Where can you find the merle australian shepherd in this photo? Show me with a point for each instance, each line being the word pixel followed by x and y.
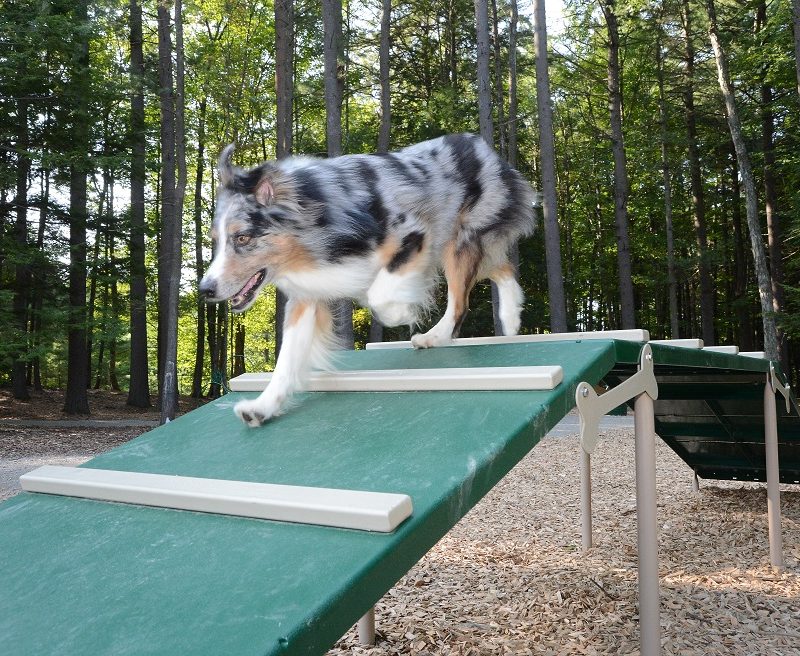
pixel 374 228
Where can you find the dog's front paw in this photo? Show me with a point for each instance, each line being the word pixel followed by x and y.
pixel 253 413
pixel 428 340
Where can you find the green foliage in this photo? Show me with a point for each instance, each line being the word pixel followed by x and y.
pixel 229 47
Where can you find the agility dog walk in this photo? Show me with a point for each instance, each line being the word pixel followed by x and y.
pixel 374 228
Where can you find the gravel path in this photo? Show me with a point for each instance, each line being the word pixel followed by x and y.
pixel 24 448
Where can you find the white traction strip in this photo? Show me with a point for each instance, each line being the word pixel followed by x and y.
pixel 422 380
pixel 366 511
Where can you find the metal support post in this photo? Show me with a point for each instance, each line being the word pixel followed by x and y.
pixel 696 483
pixel 366 629
pixel 649 603
pixel 586 501
pixel 773 476
pixel 643 387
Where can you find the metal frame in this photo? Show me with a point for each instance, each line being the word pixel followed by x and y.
pixel 641 387
pixel 366 628
pixel 773 469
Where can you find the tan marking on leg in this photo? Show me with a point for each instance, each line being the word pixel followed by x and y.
pixel 296 311
pixel 503 272
pixel 323 319
pixel 461 271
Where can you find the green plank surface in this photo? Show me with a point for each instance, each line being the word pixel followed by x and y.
pixel 86 577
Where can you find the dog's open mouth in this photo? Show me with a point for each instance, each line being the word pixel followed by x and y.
pixel 246 294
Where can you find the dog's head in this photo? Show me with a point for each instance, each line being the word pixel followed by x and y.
pixel 252 232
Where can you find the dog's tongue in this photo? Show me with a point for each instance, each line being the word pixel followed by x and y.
pixel 248 287
pixel 249 284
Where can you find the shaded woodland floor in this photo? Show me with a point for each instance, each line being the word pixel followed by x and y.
pixel 103 404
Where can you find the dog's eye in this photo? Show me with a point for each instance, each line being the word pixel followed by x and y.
pixel 242 240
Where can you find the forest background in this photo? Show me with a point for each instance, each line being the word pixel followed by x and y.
pixel 663 135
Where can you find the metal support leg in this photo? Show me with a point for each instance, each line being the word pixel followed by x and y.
pixel 649 617
pixel 586 501
pixel 366 629
pixel 696 483
pixel 773 477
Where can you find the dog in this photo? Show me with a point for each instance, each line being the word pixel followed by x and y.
pixel 374 228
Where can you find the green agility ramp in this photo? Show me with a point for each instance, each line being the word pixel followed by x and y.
pixel 90 577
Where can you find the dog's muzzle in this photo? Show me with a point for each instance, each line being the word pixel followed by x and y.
pixel 207 289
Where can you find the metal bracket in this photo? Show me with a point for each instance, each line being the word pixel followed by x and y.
pixel 592 407
pixel 778 386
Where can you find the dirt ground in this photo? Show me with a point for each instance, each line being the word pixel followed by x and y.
pixel 103 404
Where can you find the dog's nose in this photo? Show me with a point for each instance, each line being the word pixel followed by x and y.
pixel 207 288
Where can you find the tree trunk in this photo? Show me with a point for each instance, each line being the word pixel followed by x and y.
pixel 796 30
pixel 698 196
pixel 284 88
pixel 223 321
pixel 386 107
pixel 167 195
pixel 38 282
pixel 484 89
pixel 672 277
pixel 513 100
pixel 334 74
pixel 212 311
pixel 238 349
pixel 375 326
pixel 452 43
pixel 741 302
pixel 552 238
pixel 171 205
pixel 499 95
pixel 284 82
pixel 624 269
pixel 334 90
pixel 751 197
pixel 100 271
pixel 94 272
pixel 169 400
pixel 103 329
pixel 199 354
pixel 139 386
pixel 485 113
pixel 76 400
pixel 21 270
pixel 115 312
pixel 770 193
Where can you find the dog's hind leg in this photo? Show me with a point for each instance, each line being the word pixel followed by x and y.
pixel 307 340
pixel 461 265
pixel 510 296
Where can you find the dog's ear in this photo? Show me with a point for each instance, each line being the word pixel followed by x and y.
pixel 225 166
pixel 264 191
pixel 261 181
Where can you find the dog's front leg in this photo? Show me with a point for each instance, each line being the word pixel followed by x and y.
pixel 300 332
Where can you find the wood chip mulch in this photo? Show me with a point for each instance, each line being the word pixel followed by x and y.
pixel 510 578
